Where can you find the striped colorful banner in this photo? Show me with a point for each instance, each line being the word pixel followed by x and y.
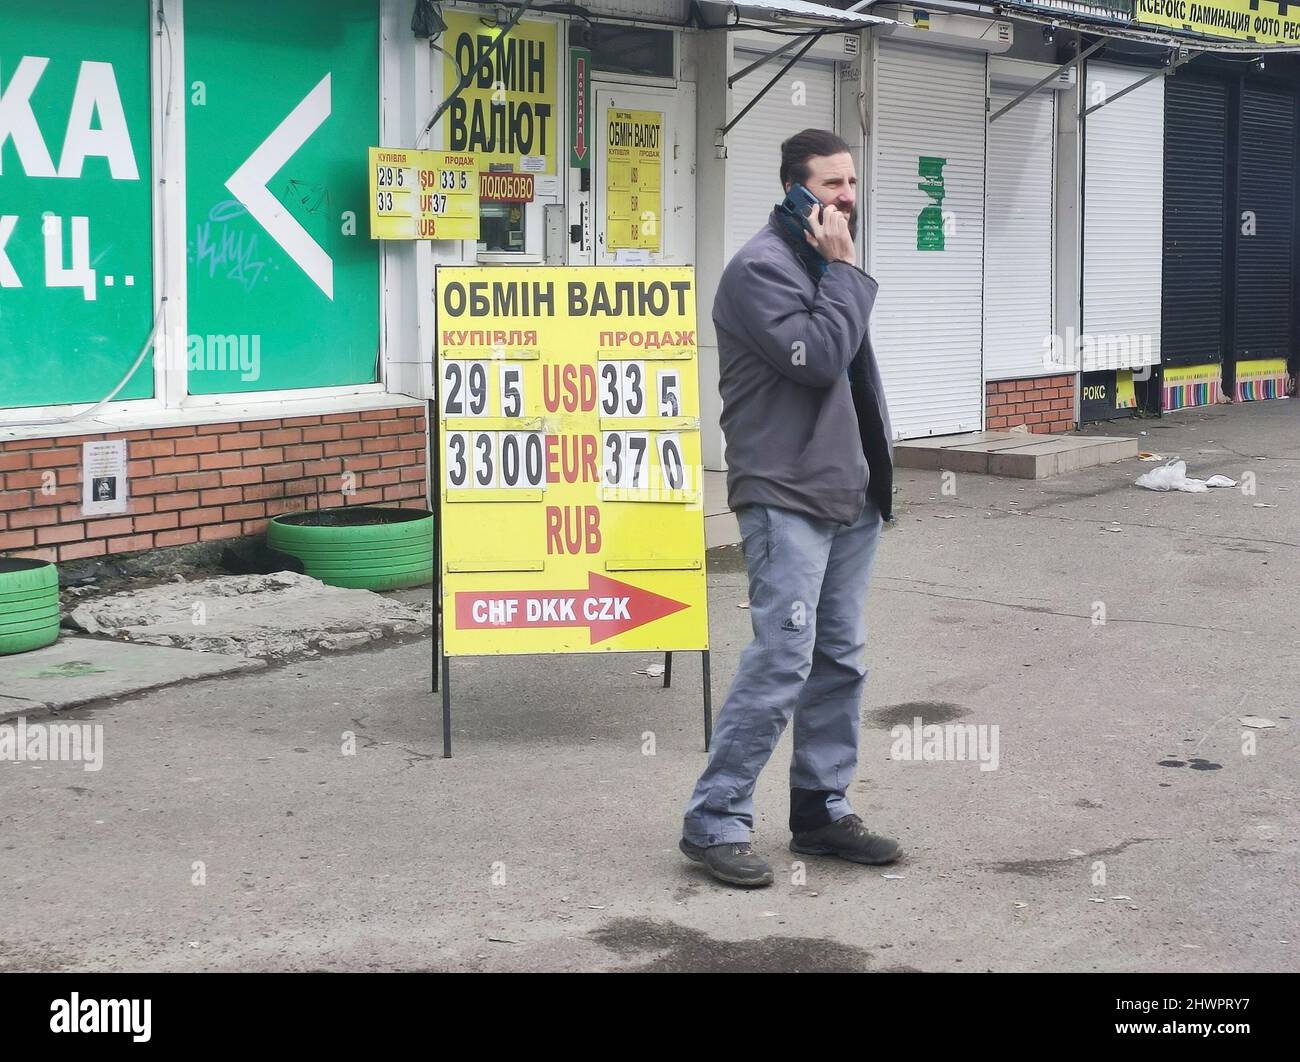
pixel 1258 381
pixel 1190 385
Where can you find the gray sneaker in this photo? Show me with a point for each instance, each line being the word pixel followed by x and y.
pixel 849 839
pixel 735 863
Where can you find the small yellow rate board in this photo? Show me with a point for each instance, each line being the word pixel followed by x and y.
pixel 570 476
pixel 423 195
pixel 634 179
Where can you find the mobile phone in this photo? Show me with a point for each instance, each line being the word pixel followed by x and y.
pixel 801 203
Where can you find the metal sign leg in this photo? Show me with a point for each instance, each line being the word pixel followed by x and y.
pixel 708 702
pixel 435 477
pixel 668 670
pixel 446 708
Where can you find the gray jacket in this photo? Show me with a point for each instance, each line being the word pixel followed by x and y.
pixel 803 407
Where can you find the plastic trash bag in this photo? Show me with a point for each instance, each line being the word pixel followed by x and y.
pixel 1173 476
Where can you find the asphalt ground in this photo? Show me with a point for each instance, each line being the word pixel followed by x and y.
pixel 302 817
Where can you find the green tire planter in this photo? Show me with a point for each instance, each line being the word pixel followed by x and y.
pixel 361 547
pixel 29 605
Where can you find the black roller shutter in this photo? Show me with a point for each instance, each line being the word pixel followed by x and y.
pixel 1266 187
pixel 1191 319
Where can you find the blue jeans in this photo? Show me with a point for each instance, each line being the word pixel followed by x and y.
pixel 807 599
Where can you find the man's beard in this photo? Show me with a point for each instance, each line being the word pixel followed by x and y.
pixel 853 221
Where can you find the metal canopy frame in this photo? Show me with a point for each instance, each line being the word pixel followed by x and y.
pixel 1183 54
pixel 1178 60
pixel 762 61
pixel 808 16
pixel 768 87
pixel 1182 57
pixel 813 35
pixel 1050 77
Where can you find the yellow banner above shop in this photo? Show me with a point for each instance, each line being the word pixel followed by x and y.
pixel 570 495
pixel 1260 21
pixel 423 195
pixel 507 114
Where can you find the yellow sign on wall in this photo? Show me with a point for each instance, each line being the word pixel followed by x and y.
pixel 1261 21
pixel 633 179
pixel 423 195
pixel 571 497
pixel 508 113
pixel 1125 395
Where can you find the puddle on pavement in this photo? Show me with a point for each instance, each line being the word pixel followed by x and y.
pixel 671 948
pixel 1039 868
pixel 904 714
pixel 1195 764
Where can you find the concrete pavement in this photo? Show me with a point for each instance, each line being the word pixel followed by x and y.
pixel 75 671
pixel 301 817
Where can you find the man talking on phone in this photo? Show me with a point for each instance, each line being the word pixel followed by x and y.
pixel 809 476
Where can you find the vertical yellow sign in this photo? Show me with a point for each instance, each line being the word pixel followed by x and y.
pixel 633 179
pixel 571 499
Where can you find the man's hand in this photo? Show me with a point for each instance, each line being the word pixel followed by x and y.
pixel 831 235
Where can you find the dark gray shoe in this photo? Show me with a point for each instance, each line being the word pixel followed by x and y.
pixel 849 839
pixel 734 863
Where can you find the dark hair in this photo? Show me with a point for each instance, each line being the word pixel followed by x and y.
pixel 796 152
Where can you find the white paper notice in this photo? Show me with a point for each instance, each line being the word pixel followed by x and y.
pixel 103 478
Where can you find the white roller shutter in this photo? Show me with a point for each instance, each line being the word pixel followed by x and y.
pixel 1123 219
pixel 928 318
pixel 1018 258
pixel 754 146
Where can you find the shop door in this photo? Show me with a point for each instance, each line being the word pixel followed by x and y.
pixel 644 175
pixel 1265 238
pixel 1195 154
pixel 1018 259
pixel 1123 242
pixel 927 247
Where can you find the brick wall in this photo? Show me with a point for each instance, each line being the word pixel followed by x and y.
pixel 208 481
pixel 1045 403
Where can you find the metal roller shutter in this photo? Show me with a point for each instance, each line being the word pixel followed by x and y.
pixel 1266 186
pixel 928 317
pixel 1191 327
pixel 754 146
pixel 1018 260
pixel 1122 223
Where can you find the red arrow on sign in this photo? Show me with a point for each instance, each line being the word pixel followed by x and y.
pixel 580 90
pixel 607 607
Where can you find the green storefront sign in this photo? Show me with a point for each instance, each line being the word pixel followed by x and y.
pixel 282 105
pixel 580 142
pixel 929 222
pixel 281 102
pixel 76 217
